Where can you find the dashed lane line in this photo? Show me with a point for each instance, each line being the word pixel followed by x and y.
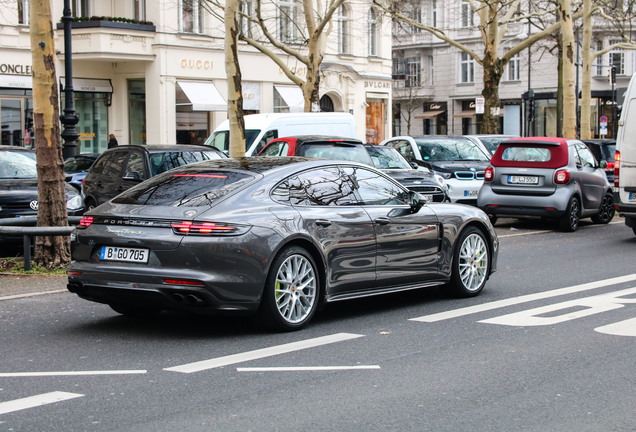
pixel 70 373
pixel 35 401
pixel 305 368
pixel 262 353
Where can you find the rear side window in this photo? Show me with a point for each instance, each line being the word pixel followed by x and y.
pixel 317 187
pixel 161 162
pixel 526 154
pixel 184 189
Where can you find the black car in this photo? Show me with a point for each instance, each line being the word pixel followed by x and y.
pixel 418 179
pixel 122 167
pixel 276 237
pixel 19 186
pixel 76 167
pixel 604 150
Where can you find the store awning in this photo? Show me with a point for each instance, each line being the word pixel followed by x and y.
pixel 89 85
pixel 293 97
pixel 465 114
pixel 202 96
pixel 428 114
pixel 15 81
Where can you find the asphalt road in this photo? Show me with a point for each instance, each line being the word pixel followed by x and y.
pixel 548 346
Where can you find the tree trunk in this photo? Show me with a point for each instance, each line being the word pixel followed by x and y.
pixel 234 87
pixel 492 103
pixel 49 251
pixel 569 71
pixel 586 91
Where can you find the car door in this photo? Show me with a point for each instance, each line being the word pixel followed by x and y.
pixel 108 183
pixel 408 240
pixel 592 179
pixel 330 213
pixel 135 171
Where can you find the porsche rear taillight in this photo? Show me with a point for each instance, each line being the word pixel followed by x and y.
pixel 562 176
pixel 202 228
pixel 85 222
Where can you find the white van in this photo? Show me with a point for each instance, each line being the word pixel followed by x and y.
pixel 625 167
pixel 262 128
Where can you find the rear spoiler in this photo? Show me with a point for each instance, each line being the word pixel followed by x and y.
pixel 526 142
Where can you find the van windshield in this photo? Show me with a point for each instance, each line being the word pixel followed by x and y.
pixel 221 139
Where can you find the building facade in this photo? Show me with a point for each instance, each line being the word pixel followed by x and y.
pixel 159 75
pixel 437 86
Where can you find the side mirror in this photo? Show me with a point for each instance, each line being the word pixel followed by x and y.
pixel 133 176
pixel 413 164
pixel 415 201
pixel 602 164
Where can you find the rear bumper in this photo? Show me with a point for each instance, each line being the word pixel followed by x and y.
pixel 553 205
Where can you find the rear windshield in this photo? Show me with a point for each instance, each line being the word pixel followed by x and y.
pixel 450 150
pixel 338 152
pixel 162 162
pixel 184 189
pixel 526 154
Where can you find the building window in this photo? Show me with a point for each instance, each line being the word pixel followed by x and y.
pixel 342 18
pixel 431 70
pixel 139 10
pixel 288 21
pixel 512 72
pixel 467 15
pixel 245 11
pixel 23 11
pixel 373 32
pixel 80 8
pixel 598 60
pixel 416 15
pixel 466 68
pixel 413 71
pixel 617 59
pixel 191 14
pixel 433 22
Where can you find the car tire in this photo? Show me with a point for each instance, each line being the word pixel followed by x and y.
pixel 471 263
pixel 607 210
pixel 569 222
pixel 135 311
pixel 291 293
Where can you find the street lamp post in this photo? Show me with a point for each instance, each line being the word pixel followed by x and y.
pixel 69 119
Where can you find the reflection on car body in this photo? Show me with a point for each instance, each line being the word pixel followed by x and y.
pixel 274 237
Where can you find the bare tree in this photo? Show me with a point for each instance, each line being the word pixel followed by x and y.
pixel 494 18
pixel 568 49
pixel 49 251
pixel 234 86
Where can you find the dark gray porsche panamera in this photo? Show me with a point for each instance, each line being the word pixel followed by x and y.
pixel 275 237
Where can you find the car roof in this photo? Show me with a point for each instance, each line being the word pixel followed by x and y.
pixel 158 148
pixel 15 148
pixel 320 138
pixel 537 140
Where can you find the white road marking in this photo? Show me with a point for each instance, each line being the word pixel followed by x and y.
pixel 35 401
pixel 615 222
pixel 70 373
pixel 622 328
pixel 303 368
pixel 523 299
pixel 19 296
pixel 261 353
pixel 573 309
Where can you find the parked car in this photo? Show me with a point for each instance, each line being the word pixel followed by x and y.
pixel 549 177
pixel 458 159
pixel 19 187
pixel 119 168
pixel 418 179
pixel 76 167
pixel 262 128
pixel 604 150
pixel 490 141
pixel 276 237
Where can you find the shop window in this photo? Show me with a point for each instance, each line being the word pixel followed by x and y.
pixel 93 121
pixel 376 114
pixel 137 110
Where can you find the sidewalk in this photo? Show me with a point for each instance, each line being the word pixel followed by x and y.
pixel 12 285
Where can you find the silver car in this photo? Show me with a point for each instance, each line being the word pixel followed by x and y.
pixel 276 237
pixel 553 178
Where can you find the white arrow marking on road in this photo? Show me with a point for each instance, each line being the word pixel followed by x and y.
pixel 70 373
pixel 622 328
pixel 303 368
pixel 523 299
pixel 35 401
pixel 261 353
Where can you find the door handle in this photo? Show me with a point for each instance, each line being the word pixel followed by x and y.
pixel 323 222
pixel 383 221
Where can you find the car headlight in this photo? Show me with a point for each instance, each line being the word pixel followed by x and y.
pixel 74 203
pixel 440 180
pixel 445 175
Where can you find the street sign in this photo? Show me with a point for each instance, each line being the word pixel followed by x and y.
pixel 479 105
pixel 603 120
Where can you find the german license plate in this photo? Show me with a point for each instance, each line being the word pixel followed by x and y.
pixel 513 179
pixel 632 196
pixel 125 254
pixel 427 197
pixel 470 193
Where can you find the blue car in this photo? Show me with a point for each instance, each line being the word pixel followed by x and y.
pixel 76 167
